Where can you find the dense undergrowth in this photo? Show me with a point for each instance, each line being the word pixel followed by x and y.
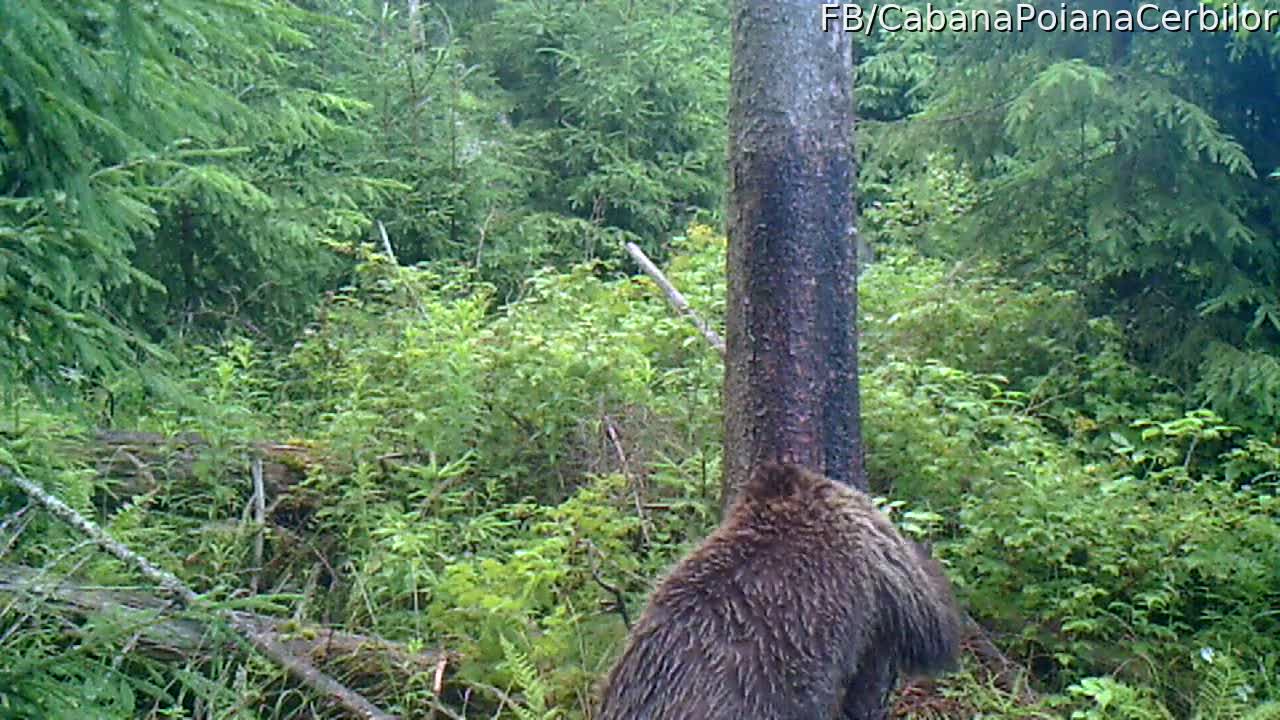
pixel 488 479
pixel 1069 348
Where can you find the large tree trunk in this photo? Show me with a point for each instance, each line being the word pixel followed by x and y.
pixel 791 391
pixel 791 370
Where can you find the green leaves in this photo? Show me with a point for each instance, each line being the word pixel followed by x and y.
pixel 476 472
pixel 213 161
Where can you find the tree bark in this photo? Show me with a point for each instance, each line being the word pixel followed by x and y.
pixel 791 368
pixel 791 391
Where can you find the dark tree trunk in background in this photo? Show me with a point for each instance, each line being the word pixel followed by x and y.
pixel 791 370
pixel 791 382
pixel 1121 42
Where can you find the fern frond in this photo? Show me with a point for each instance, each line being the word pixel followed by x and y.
pixel 526 678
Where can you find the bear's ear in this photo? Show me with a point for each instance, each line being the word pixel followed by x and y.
pixel 774 480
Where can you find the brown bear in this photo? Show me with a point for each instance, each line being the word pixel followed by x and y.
pixel 803 586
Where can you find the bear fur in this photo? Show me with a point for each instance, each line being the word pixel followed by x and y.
pixel 772 617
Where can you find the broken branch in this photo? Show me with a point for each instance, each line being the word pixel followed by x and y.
pixel 267 644
pixel 674 297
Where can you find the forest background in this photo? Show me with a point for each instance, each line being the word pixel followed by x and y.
pixel 377 247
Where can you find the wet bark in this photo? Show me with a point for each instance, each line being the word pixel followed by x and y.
pixel 791 369
pixel 791 391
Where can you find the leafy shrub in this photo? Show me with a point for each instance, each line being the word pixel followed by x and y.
pixel 492 480
pixel 967 316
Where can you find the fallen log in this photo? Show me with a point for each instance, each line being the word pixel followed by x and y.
pixel 297 666
pixel 162 633
pixel 134 462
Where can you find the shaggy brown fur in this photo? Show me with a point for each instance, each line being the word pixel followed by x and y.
pixel 772 617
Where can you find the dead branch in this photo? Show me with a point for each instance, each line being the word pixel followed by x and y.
pixel 636 486
pixel 619 600
pixel 443 710
pixel 165 579
pixel 1009 675
pixel 163 635
pixel 437 683
pixel 308 674
pixel 260 519
pixel 268 644
pixel 141 467
pixel 386 243
pixel 19 519
pixel 503 698
pixel 674 297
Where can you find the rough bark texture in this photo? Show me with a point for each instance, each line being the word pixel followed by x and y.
pixel 791 370
pixel 791 392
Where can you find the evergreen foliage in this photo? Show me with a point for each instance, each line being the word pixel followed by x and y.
pixel 1131 169
pixel 1069 336
pixel 128 178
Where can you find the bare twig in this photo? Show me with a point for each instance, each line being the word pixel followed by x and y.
pixel 260 519
pixel 437 687
pixel 310 675
pixel 619 600
pixel 65 513
pixel 19 520
pixel 502 696
pixel 612 432
pixel 1191 451
pixel 267 644
pixel 436 705
pixel 484 231
pixel 1009 675
pixel 386 243
pixel 437 684
pixel 141 467
pixel 674 297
